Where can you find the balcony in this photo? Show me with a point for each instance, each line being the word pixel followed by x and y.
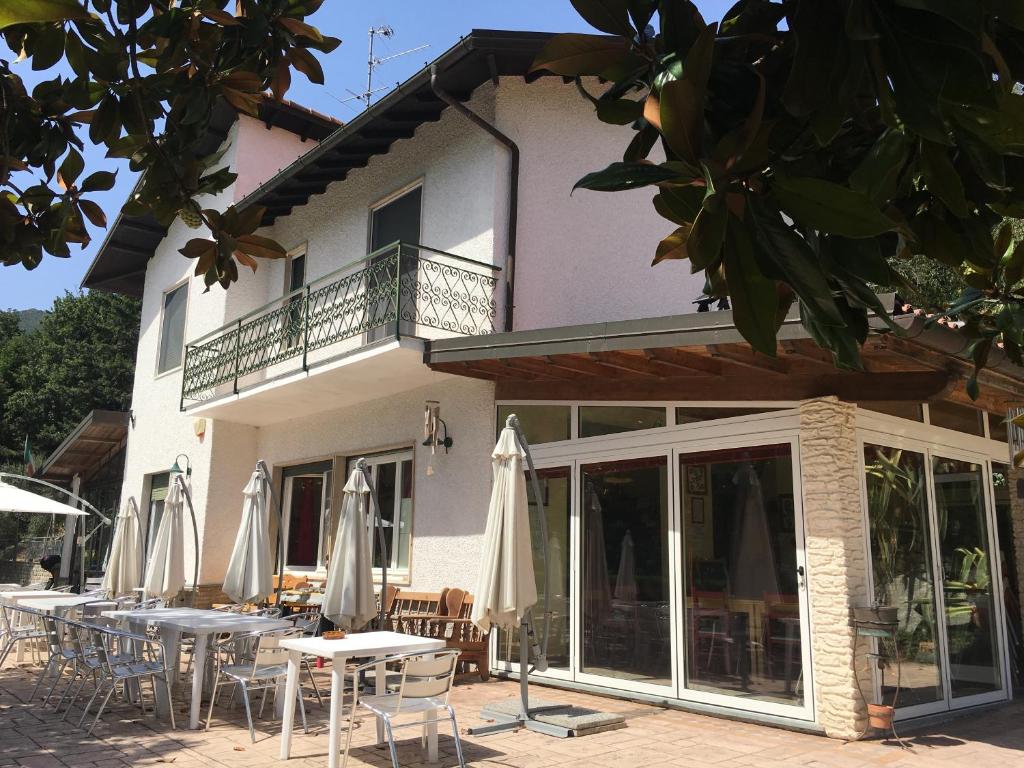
pixel 350 336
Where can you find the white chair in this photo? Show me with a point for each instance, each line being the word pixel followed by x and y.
pixel 261 667
pixel 309 624
pixel 424 683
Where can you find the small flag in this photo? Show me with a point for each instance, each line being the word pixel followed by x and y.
pixel 30 461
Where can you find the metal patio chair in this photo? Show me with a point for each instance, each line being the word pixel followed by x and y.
pixel 144 657
pixel 309 623
pixel 17 625
pixel 424 683
pixel 261 667
pixel 61 654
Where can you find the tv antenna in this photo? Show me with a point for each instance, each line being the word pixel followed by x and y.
pixel 372 62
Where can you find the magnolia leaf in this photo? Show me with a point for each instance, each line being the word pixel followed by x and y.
pixel 223 18
pixel 94 213
pixel 264 247
pixel 753 296
pixel 708 234
pixel 573 54
pixel 829 207
pixel 673 246
pixel 32 11
pixel 300 28
pixel 196 247
pixel 307 64
pixel 70 169
pixel 942 178
pixel 100 181
pixel 611 16
pixel 619 111
pixel 248 261
pixel 621 176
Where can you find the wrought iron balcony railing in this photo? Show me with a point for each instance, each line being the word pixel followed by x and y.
pixel 399 290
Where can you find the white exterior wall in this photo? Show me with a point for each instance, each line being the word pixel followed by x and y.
pixel 583 258
pixel 449 505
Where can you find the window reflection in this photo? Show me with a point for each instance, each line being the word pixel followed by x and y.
pixel 901 566
pixel 742 600
pixel 966 576
pixel 625 580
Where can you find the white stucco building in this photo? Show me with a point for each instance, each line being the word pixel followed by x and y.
pixel 716 514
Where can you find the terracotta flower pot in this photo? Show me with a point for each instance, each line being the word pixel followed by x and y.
pixel 880 716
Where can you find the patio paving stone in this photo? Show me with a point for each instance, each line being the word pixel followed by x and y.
pixel 33 737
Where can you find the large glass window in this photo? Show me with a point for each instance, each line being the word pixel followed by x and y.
pixel 540 423
pixel 695 414
pixel 598 420
pixel 743 630
pixel 901 561
pixel 172 329
pixel 955 416
pixel 392 476
pixel 1008 559
pixel 625 585
pixel 966 577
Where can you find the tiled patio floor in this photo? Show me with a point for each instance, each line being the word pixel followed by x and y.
pixel 33 737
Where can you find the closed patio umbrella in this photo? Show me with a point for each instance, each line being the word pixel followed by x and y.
pixel 250 574
pixel 124 565
pixel 165 575
pixel 348 598
pixel 507 588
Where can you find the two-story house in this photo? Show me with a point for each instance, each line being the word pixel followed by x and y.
pixel 714 515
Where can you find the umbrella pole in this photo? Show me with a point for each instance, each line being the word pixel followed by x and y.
pixel 195 536
pixel 542 651
pixel 261 465
pixel 363 467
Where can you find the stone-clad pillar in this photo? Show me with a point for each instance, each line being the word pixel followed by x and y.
pixel 836 556
pixel 1016 547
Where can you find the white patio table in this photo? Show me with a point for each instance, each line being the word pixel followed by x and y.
pixel 15 597
pixel 58 605
pixel 172 623
pixel 368 645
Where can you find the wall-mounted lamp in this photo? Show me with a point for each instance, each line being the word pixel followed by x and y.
pixel 176 468
pixel 433 425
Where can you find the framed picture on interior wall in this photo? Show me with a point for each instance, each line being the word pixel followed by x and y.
pixel 787 510
pixel 696 479
pixel 697 510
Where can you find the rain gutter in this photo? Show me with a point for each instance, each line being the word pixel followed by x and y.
pixel 513 187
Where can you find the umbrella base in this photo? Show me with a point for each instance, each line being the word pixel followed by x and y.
pixel 550 718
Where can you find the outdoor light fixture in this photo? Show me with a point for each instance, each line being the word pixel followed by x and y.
pixel 432 426
pixel 176 468
pixel 435 440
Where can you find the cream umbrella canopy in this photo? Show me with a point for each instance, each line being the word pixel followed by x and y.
pixel 507 587
pixel 348 598
pixel 124 565
pixel 250 574
pixel 13 499
pixel 165 575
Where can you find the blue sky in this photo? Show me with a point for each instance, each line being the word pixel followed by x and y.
pixel 438 23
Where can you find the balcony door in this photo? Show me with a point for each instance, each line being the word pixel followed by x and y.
pixel 396 219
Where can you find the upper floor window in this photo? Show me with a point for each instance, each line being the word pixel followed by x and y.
pixel 396 219
pixel 172 329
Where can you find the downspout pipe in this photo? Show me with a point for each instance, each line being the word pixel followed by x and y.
pixel 513 187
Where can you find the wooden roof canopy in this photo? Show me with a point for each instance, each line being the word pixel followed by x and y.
pixel 98 437
pixel 702 356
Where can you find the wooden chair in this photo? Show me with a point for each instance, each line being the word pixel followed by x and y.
pixel 780 628
pixel 413 608
pixel 458 631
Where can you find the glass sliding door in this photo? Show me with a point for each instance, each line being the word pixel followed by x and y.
pixel 902 570
pixel 625 589
pixel 743 627
pixel 971 608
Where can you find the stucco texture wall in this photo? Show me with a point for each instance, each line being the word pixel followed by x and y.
pixel 836 556
pixel 582 258
pixel 450 504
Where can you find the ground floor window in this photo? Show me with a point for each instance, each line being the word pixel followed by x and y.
pixel 930 516
pixel 158 484
pixel 392 476
pixel 307 495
